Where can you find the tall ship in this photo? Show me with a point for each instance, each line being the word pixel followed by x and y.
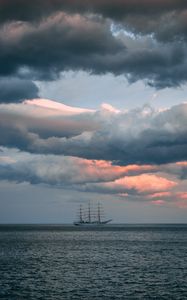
pixel 91 216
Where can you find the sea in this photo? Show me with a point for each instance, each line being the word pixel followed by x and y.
pixel 56 262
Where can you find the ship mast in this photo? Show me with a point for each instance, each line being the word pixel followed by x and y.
pixel 99 213
pixel 89 213
pixel 91 216
pixel 80 212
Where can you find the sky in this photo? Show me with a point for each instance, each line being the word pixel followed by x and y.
pixel 93 108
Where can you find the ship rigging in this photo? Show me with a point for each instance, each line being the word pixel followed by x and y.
pixel 91 216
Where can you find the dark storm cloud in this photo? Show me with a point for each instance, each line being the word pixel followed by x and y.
pixel 116 9
pixel 59 43
pixel 77 42
pixel 145 16
pixel 15 90
pixel 139 136
pixel 40 39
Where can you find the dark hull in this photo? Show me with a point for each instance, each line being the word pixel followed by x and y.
pixel 91 223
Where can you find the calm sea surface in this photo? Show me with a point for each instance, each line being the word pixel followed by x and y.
pixel 114 262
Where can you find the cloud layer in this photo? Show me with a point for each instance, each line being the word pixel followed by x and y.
pixel 138 39
pixel 19 10
pixel 155 184
pixel 139 154
pixel 136 155
pixel 16 90
pixel 141 136
pixel 81 174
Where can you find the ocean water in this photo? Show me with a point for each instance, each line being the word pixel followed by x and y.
pixel 113 262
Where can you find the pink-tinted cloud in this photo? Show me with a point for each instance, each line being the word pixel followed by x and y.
pixel 182 195
pixel 146 183
pixel 182 163
pixel 96 176
pixel 181 200
pixel 142 185
pixel 158 202
pixel 160 195
pixel 56 170
pixel 106 171
pixel 53 107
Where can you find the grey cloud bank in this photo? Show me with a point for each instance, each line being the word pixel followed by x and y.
pixel 85 175
pixel 41 39
pixel 20 10
pixel 141 136
pixel 16 90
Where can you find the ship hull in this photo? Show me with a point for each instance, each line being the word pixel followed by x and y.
pixel 90 219
pixel 92 223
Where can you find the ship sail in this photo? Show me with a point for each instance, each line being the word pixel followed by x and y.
pixel 91 216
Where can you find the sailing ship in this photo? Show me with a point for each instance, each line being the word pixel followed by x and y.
pixel 91 216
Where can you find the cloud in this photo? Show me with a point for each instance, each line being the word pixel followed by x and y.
pixel 179 169
pixel 158 202
pixel 16 90
pixel 43 119
pixel 133 185
pixel 61 171
pixel 56 108
pixel 159 195
pixel 115 9
pixel 140 136
pixel 61 42
pixel 138 39
pixel 84 175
